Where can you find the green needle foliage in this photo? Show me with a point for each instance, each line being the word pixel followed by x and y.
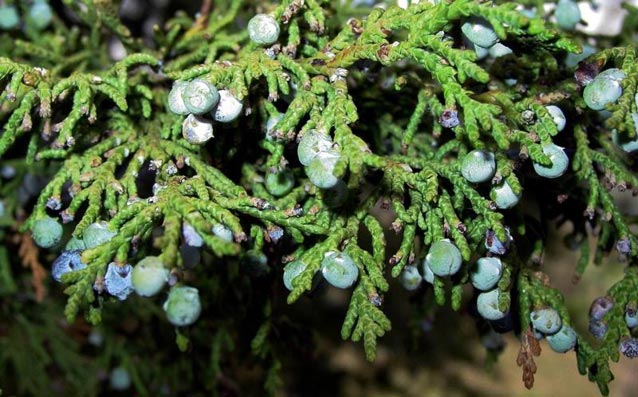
pixel 86 138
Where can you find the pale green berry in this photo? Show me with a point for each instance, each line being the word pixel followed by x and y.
pixel 96 234
pixel 40 14
pixel 480 32
pixel 75 243
pixel 546 320
pixel 558 116
pixel 481 52
pixel 197 130
pixel 339 269
pixel 622 141
pixel 175 101
pixel 182 306
pixel 602 91
pixel 564 340
pixel 311 144
pixel 567 14
pixel 291 271
pixel 428 276
pixel 572 60
pixel 149 276
pixel 200 96
pixel 499 50
pixel 46 232
pixel 280 183
pixel 228 108
pixel 612 74
pixel 120 379
pixel 263 29
pixel 444 258
pixel 410 278
pixel 559 160
pixel 488 307
pixel 320 171
pixel 478 166
pixel 504 196
pixel 9 18
pixel 222 232
pixel 486 273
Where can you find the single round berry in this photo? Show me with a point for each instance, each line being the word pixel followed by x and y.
pixel 563 340
pixel 629 347
pixel 597 328
pixel 631 315
pixel 175 101
pixel 449 118
pixel 96 234
pixel 504 196
pixel 228 108
pixel 182 306
pixel 480 33
pixel 191 237
pixel 600 307
pixel 567 14
pixel 222 232
pixel 200 96
pixel 311 144
pixel 496 246
pixel 46 232
pixel 410 278
pixel 623 141
pixel 602 91
pixel 120 379
pixel 197 130
pixel 263 29
pixel 280 183
pixel 291 271
pixel 486 273
pixel 559 160
pixel 478 166
pixel 269 127
pixel 40 14
pixel 9 18
pixel 444 258
pixel 320 171
pixel 488 307
pixel 75 243
pixel 117 280
pixel 339 269
pixel 149 276
pixel 499 50
pixel 558 116
pixel 428 276
pixel 68 261
pixel 546 320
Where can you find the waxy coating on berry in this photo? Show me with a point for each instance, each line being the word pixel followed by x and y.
pixel 428 276
pixel 68 261
pixel 228 108
pixel 559 160
pixel 567 14
pixel 605 89
pixel 449 118
pixel 291 271
pixel 175 101
pixel 488 307
pixel 263 29
pixel 117 280
pixel 486 273
pixel 191 237
pixel 480 32
pixel 46 232
pixel 311 144
pixel 478 166
pixel 200 96
pixel 222 232
pixel 546 320
pixel 339 269
pixel 320 171
pixel 600 307
pixel 628 347
pixel 563 340
pixel 96 234
pixel 496 246
pixel 631 315
pixel 149 276
pixel 623 141
pixel 410 278
pixel 444 258
pixel 280 183
pixel 597 328
pixel 182 306
pixel 557 116
pixel 197 130
pixel 499 50
pixel 504 196
pixel 40 14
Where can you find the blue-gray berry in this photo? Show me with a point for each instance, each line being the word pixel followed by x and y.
pixel 559 160
pixel 496 246
pixel 478 166
pixel 546 320
pixel 629 347
pixel 291 271
pixel 339 269
pixel 597 328
pixel 68 261
pixel 117 280
pixel 563 340
pixel 486 273
pixel 600 307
